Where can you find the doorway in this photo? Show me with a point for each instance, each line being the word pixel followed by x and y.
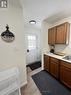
pixel 32 48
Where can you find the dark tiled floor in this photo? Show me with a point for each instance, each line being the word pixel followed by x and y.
pixel 48 85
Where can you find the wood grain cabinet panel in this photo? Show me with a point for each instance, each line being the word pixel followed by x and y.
pixel 54 67
pixel 62 33
pixel 59 69
pixel 51 35
pixel 65 73
pixel 59 34
pixel 46 62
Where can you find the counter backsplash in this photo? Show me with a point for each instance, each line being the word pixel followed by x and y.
pixel 63 48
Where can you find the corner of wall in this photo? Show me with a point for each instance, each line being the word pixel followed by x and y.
pixel 23 84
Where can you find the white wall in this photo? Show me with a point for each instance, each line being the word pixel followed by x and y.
pixel 12 54
pixel 60 48
pixel 45 46
pixel 44 30
pixel 34 31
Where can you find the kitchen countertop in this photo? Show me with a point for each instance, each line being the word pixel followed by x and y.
pixel 57 56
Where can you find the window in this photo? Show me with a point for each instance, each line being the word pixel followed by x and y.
pixel 31 42
pixel 3 3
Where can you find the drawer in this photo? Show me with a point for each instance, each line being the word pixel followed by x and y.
pixel 66 64
pixel 53 60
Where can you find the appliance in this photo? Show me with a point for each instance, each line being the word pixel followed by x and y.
pixel 52 48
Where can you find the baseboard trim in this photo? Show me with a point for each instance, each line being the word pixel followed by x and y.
pixel 22 85
pixel 33 63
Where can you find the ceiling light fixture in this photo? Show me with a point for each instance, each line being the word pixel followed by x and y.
pixel 32 22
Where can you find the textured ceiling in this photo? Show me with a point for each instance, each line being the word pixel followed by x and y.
pixel 52 10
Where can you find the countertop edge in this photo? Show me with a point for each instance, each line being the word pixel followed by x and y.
pixel 57 57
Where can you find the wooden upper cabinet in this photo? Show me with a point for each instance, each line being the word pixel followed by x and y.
pixel 59 34
pixel 62 32
pixel 51 35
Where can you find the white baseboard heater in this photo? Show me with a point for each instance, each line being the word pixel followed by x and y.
pixel 9 82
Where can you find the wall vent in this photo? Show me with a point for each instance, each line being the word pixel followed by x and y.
pixel 3 3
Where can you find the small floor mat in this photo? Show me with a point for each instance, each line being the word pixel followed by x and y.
pixel 35 65
pixel 48 85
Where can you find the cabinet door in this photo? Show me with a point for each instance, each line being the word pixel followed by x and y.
pixel 65 74
pixel 62 33
pixel 54 67
pixel 46 62
pixel 51 35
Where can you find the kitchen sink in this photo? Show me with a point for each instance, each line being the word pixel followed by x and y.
pixel 67 57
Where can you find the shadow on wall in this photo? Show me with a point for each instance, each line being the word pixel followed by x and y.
pixel 63 48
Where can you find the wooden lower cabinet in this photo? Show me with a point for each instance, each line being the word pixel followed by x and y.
pixel 46 62
pixel 59 69
pixel 65 73
pixel 54 67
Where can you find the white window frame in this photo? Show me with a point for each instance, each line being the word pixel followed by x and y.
pixel 31 43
